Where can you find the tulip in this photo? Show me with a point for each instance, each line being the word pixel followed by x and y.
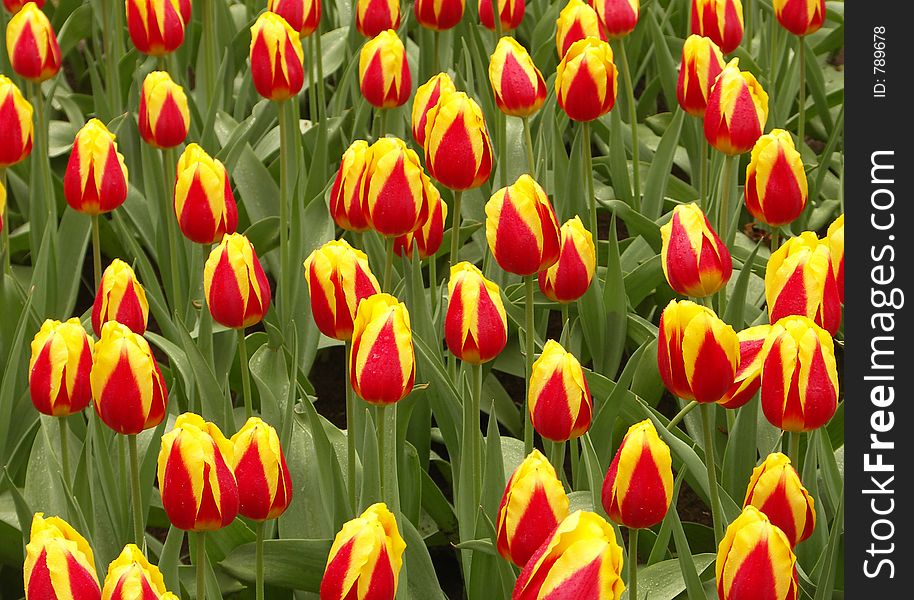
pixel 204 203
pixel 339 278
pixel 695 261
pixel 384 76
pixel 14 6
pixel 475 326
pixel 558 398
pixel 427 239
pixel 521 228
pixel 16 128
pixel 32 45
pixel 697 353
pixel 121 298
pixel 570 276
pixel 618 17
pixel 755 560
pixel 382 363
pixel 276 58
pixel 748 374
pixel 365 558
pixel 237 291
pixel 702 62
pixel 458 152
pixel 577 21
pixel 199 491
pixel 59 368
pixel 737 111
pixel 776 490
pixel 59 564
pixel 95 181
pixel 374 16
pixel 164 117
pixel 800 17
pixel 346 194
pixel 156 26
pixel 799 375
pixel 132 577
pixel 3 210
pixel 427 96
pixel 776 187
pixel 264 484
pixel 533 504
pixel 302 15
pixel 586 80
pixel 510 14
pixel 395 189
pixel 518 85
pixel 439 15
pixel 799 280
pixel 580 559
pixel 720 20
pixel 835 237
pixel 186 9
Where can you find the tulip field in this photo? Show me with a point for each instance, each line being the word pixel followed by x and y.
pixel 373 299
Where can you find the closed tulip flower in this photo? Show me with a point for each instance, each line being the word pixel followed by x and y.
pixel 127 385
pixel 439 15
pixel 618 17
pixel 776 490
pixel 581 559
pixel 427 239
pixel 695 261
pixel 737 111
pixel 338 280
pixel 799 280
pixel 776 187
pixel 638 487
pixel 302 15
pixel 427 96
pixel 346 194
pixel 701 63
pixel 570 276
pixel 577 21
pixel 510 13
pixel 31 44
pixel 95 181
pixel 365 558
pixel 755 560
pixel 264 484
pixel 697 353
pixel 164 117
pixel 521 228
pixel 204 203
pixel 458 152
pixel 132 577
pixel 199 491
pixel 237 291
pixel 720 20
pixel 800 17
pixel 276 58
pixel 533 504
pixel 475 326
pixel 799 375
pixel 748 374
pixel 559 400
pixel 13 6
pixel 156 26
pixel 518 85
pixel 395 193
pixel 586 81
pixel 384 76
pixel 59 564
pixel 121 298
pixel 374 16
pixel 59 368
pixel 835 237
pixel 382 364
pixel 16 128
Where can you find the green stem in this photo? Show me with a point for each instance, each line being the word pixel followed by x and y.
pixel 707 418
pixel 455 227
pixel 209 51
pixel 168 175
pixel 681 415
pixel 801 121
pixel 96 252
pixel 201 563
pixel 284 211
pixel 773 55
pixel 528 142
pixel 575 460
pixel 258 560
pixel 557 458
pixel 64 448
pixel 775 239
pixel 528 360
pixel 501 142
pixel 138 537
pixel 312 92
pixel 436 49
pixel 793 449
pixel 566 324
pixel 5 231
pixel 350 433
pixel 433 281
pixel 633 122
pixel 245 366
pixel 703 169
pixel 476 371
pixel 587 164
pixel 723 217
pixel 388 264
pixel 633 564
pixel 382 122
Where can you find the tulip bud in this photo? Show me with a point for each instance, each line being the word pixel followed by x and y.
pixel 695 261
pixel 638 487
pixel 747 380
pixel 276 58
pixel 458 152
pixel 14 6
pixel 570 276
pixel 576 22
pixel 59 564
pixel 16 128
pixel 59 368
pixel 799 375
pixel 427 96
pixel 96 178
pixel 2 203
pixel 338 280
pixel 800 17
pixel 164 117
pixel 558 398
pixel 737 111
pixel 619 17
pixel 121 298
pixel 835 237
pixel 776 490
pixel 439 15
pixel 697 353
pixel 720 20
pixel 776 187
pixel 132 577
pixel 799 280
pixel 204 203
pixel 475 326
pixel 365 558
pixel 510 13
pixel 237 291
pixel 374 16
pixel 755 560
pixel 303 16
pixel 384 76
pixel 156 26
pixel 198 488
pixel 518 85
pixel 533 504
pixel 586 81
pixel 127 385
pixel 382 363
pixel 264 484
pixel 521 228
pixel 186 9
pixel 429 236
pixel 701 63
pixel 580 559
pixel 346 194
pixel 32 45
pixel 395 197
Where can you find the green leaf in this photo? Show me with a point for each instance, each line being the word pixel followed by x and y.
pixel 665 580
pixel 658 174
pixel 739 457
pixel 295 564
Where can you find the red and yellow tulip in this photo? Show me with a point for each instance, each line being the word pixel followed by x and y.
pixel 163 117
pixel 694 259
pixel 346 194
pixel 95 181
pixel 374 16
pixel 237 291
pixel 156 26
pixel 13 6
pixel 427 96
pixel 558 399
pixel 618 17
pixel 382 363
pixel 2 204
pixel 427 239
pixel 520 90
pixel 510 14
pixel 59 564
pixel 737 111
pixel 776 187
pixel 439 15
pixel 835 237
pixel 31 44
pixel 302 15
pixel 276 58
pixel 204 203
pixel 776 490
pixel 264 483
pixel 16 127
pixel 458 152
pixel 475 326
pixel 121 298
pixel 132 577
pixel 384 76
pixel 800 17
pixel 701 63
pixel 748 375
pixel 570 276
pixel 395 189
pixel 576 21
pixel 720 20
pixel 586 81
pixel 59 368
